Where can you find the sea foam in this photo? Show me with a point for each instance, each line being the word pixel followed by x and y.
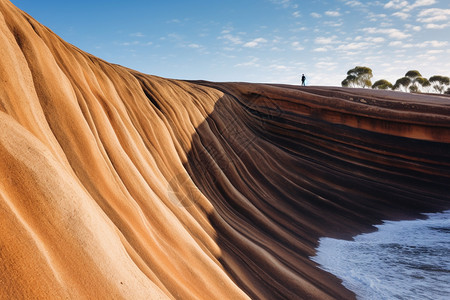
pixel 402 260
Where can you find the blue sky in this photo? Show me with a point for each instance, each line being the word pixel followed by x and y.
pixel 257 40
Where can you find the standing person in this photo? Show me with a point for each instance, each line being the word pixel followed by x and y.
pixel 303 79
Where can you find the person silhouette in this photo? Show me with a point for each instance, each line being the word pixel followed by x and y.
pixel 303 79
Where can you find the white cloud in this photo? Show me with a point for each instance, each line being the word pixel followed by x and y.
pixel 334 24
pixel 315 15
pixel 255 43
pixel 283 3
pixel 425 44
pixel 326 65
pixel 396 34
pixel 436 26
pixel 396 43
pixel 296 14
pixel 278 67
pixel 303 28
pixel 354 46
pixel 435 43
pixel 376 17
pixel 413 27
pixel 432 15
pixel 231 38
pixel 137 34
pixel 194 46
pixel 353 3
pixel 401 15
pixel 386 24
pixel 332 13
pixel 420 3
pixel 435 51
pixel 409 45
pixel 174 37
pixel 320 49
pixel 391 32
pixel 325 40
pixel 297 46
pixel 396 4
pixel 376 40
pixel 130 43
pixel 253 62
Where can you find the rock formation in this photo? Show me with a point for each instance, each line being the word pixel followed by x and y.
pixel 116 184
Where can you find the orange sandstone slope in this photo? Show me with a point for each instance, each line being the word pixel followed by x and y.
pixel 116 184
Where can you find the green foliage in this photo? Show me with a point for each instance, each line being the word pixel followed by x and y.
pixel 412 82
pixel 358 77
pixel 415 83
pixel 439 82
pixel 414 89
pixel 413 74
pixel 402 82
pixel 349 81
pixel 423 81
pixel 382 84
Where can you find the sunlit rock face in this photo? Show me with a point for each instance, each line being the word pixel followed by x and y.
pixel 117 184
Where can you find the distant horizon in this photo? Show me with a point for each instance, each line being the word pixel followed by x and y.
pixel 271 41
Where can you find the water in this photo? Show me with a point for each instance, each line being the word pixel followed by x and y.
pixel 402 260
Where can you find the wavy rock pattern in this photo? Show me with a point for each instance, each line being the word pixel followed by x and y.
pixel 116 184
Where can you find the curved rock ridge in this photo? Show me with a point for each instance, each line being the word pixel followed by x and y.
pixel 119 185
pixel 292 164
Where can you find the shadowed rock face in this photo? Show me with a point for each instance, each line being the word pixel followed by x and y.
pixel 292 164
pixel 116 184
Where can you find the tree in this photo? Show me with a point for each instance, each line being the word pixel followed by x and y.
pixel 412 81
pixel 402 82
pixel 358 77
pixel 413 74
pixel 417 81
pixel 439 82
pixel 382 84
pixel 423 82
pixel 348 82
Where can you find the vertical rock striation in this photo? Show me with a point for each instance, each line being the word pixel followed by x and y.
pixel 116 184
